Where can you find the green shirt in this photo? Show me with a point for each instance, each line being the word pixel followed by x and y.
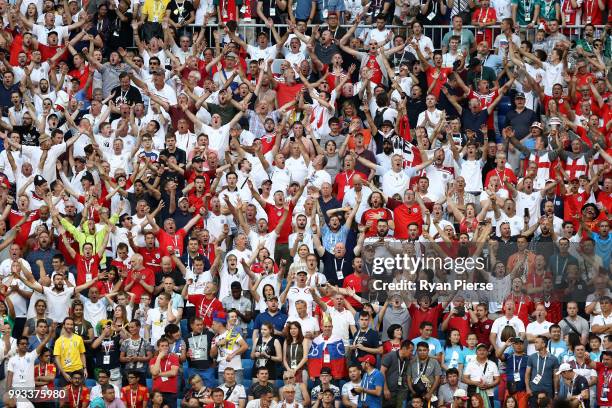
pixel 547 9
pixel 82 237
pixel 525 7
pixel 486 73
pixel 467 39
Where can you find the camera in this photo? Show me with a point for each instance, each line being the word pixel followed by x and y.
pixel 354 392
pixel 460 311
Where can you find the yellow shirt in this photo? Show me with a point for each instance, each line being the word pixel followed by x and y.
pixel 155 10
pixel 68 352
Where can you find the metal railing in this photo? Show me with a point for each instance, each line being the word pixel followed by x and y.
pixel 435 32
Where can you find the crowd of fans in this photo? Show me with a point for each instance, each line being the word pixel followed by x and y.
pixel 193 211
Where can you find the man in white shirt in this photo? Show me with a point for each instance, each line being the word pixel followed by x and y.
pixel 508 319
pixel 344 320
pixel 539 327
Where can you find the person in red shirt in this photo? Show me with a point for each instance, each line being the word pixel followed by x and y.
pixel 482 17
pixel 139 279
pixel 87 263
pixel 76 394
pixel 150 254
pixel 409 211
pixel 458 318
pixel 376 213
pixel 481 324
pixel 501 171
pixel 205 305
pixel 424 312
pixel 604 376
pixel 344 180
pixel 164 370
pixel 218 397
pixel 134 395
pixel 287 90
pixel 523 305
pixel 436 74
pixel 275 214
pixel 170 240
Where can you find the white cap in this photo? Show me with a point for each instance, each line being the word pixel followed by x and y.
pixel 563 368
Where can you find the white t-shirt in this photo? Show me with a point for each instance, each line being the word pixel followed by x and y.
pixel 218 139
pixel 532 203
pixel 158 321
pixel 342 322
pixel 58 303
pixel 536 328
pixel 308 324
pixel 296 293
pixel 232 343
pixel 42 32
pixel 94 312
pixel 266 54
pixel 501 322
pixel 478 371
pixel 23 369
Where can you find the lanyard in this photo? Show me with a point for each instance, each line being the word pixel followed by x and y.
pixel 401 366
pixel 88 264
pixel 571 388
pixel 133 398
pixel 336 264
pixel 543 366
pixel 514 368
pixel 78 398
pixel 348 178
pixel 204 313
pixel 107 349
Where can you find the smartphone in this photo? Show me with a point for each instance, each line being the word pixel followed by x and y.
pixel 527 212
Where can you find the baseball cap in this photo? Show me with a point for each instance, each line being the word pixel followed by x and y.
pixel 460 393
pixel 231 55
pixel 387 123
pixel 563 368
pixel 301 271
pixel 519 95
pixel 481 345
pixel 183 198
pixel 368 358
pixel 537 125
pixel 219 317
pixel 326 370
pixel 39 180
pixel 197 159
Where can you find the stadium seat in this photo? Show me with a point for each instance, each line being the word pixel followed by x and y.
pixel 90 383
pixel 150 383
pixel 247 365
pixel 247 383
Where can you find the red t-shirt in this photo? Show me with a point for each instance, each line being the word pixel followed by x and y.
pixel 87 269
pixel 389 346
pixel 22 236
pixel 603 375
pixel 136 399
pixel 151 258
pixel 287 93
pixel 572 205
pixel 404 215
pixel 374 214
pixel 591 14
pixel 507 173
pixel 344 181
pixel 523 307
pixel 274 215
pixel 356 282
pixel 460 323
pixel 169 384
pixel 205 307
pixel 374 66
pixel 419 316
pixel 76 398
pixel 176 241
pixel 443 76
pixel 47 52
pixel 137 289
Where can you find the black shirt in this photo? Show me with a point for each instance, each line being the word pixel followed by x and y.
pixel 199 344
pixel 331 266
pixel 29 135
pixel 131 96
pixel 180 11
pixel 474 121
pixel 520 122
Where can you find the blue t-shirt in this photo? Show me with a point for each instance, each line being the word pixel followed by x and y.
pixel 518 363
pixel 453 356
pixel 557 348
pixel 278 320
pixel 370 382
pixel 603 247
pixel 435 347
